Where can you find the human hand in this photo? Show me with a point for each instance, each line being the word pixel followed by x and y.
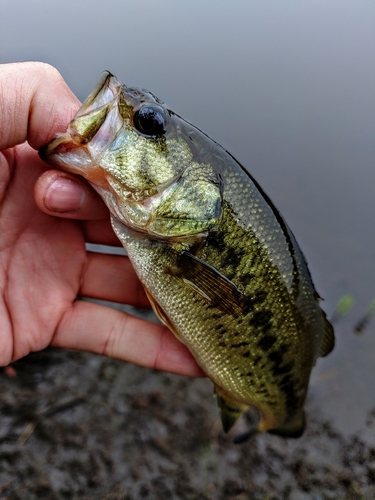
pixel 46 216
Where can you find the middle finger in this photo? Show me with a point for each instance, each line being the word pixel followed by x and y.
pixel 112 278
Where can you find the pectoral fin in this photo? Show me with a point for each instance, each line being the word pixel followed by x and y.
pixel 214 287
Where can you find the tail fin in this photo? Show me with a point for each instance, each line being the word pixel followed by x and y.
pixel 293 428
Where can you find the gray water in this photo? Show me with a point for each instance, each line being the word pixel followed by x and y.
pixel 289 89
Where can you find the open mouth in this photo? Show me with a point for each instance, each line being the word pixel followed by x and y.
pixel 107 88
pixel 95 125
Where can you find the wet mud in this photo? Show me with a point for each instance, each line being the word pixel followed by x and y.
pixel 80 426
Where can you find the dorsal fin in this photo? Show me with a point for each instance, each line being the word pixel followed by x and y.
pixel 328 340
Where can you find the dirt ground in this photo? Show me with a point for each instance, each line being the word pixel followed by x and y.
pixel 81 426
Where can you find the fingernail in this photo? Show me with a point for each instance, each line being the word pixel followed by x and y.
pixel 64 195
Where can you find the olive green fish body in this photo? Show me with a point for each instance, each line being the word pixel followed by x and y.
pixel 220 266
pixel 261 354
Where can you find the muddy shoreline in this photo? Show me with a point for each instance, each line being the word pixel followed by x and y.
pixel 81 426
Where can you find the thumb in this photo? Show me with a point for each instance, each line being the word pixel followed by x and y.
pixel 35 104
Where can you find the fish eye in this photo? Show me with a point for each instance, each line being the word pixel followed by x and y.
pixel 150 120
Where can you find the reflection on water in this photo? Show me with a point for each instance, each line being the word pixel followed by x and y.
pixel 288 88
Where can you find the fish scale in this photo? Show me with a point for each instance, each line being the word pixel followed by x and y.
pixel 220 266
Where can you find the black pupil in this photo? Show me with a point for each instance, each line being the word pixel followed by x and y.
pixel 150 120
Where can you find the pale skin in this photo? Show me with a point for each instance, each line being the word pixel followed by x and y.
pixel 46 216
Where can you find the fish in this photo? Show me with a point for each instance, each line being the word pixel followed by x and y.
pixel 220 266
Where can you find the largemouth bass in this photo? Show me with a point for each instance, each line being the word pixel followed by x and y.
pixel 220 266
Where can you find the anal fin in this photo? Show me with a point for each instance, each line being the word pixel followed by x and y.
pixel 241 438
pixel 230 411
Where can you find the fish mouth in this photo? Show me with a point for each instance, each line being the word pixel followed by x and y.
pixel 95 124
pixel 105 90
